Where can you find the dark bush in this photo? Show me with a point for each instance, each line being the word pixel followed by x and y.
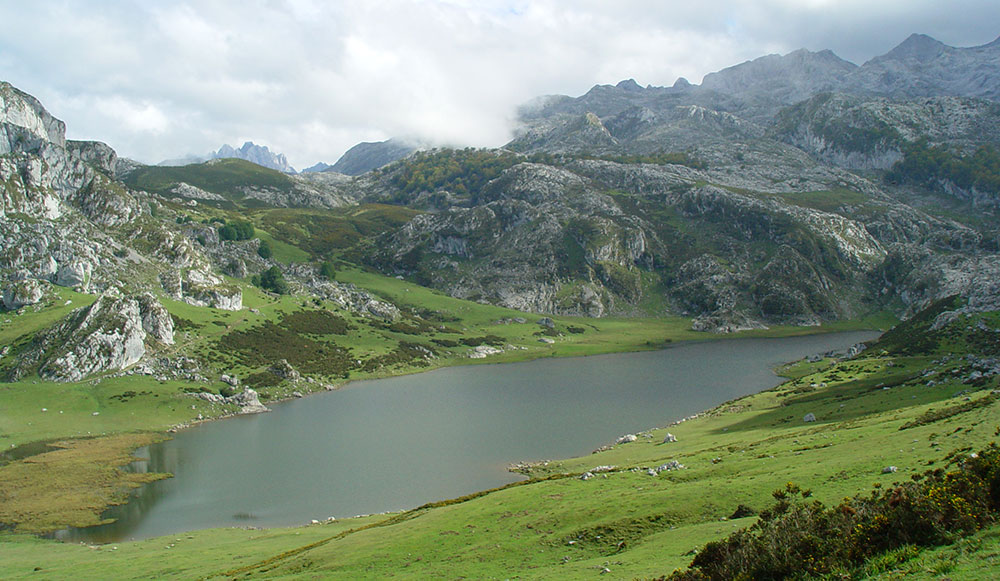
pixel 272 280
pixel 236 231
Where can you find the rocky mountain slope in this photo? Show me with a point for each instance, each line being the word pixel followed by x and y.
pixel 729 201
pixel 780 191
pixel 68 220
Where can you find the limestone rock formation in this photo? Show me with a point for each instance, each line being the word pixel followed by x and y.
pixel 109 335
pixel 22 293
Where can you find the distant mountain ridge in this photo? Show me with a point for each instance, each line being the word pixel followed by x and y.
pixel 920 66
pixel 250 151
pixel 258 154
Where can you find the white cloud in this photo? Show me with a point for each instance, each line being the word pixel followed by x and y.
pixel 137 117
pixel 310 78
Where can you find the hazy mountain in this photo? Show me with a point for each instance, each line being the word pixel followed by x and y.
pixel 318 167
pixel 367 156
pixel 258 154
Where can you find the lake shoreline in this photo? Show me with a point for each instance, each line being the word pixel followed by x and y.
pixel 644 424
pixel 510 357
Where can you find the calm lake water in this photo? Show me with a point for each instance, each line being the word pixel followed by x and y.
pixel 397 443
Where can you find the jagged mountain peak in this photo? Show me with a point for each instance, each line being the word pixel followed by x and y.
pixel 259 154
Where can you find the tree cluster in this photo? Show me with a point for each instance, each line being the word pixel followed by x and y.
pixel 460 171
pixel 236 231
pixel 271 280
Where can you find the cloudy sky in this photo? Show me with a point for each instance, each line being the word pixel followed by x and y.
pixel 310 78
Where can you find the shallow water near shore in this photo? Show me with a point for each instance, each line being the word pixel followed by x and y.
pixel 397 443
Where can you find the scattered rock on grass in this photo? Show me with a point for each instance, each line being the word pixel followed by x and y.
pixel 626 439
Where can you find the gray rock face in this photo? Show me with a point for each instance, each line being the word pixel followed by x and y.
pixel 919 67
pixel 202 289
pixel 25 126
pixel 97 154
pixel 550 240
pixel 22 293
pixel 156 321
pixel 284 370
pixel 860 132
pixel 787 79
pixel 254 153
pixel 247 400
pixel 74 274
pixel 924 67
pixel 109 335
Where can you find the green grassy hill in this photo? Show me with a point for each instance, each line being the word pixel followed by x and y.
pixel 227 178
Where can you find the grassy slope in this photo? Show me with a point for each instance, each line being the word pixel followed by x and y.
pixel 225 177
pixel 632 523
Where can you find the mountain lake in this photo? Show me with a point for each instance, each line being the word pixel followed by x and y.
pixel 394 444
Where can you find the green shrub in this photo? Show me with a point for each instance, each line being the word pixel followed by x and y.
pixel 272 280
pixel 236 231
pixel 317 322
pixel 801 538
pixel 492 340
pixel 264 250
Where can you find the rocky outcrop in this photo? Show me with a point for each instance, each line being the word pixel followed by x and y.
pixel 284 370
pixel 25 126
pixel 552 240
pixel 248 401
pixel 22 293
pixel 202 289
pixel 109 335
pixel 75 273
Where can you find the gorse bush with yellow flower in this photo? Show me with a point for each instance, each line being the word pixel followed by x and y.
pixel 801 538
